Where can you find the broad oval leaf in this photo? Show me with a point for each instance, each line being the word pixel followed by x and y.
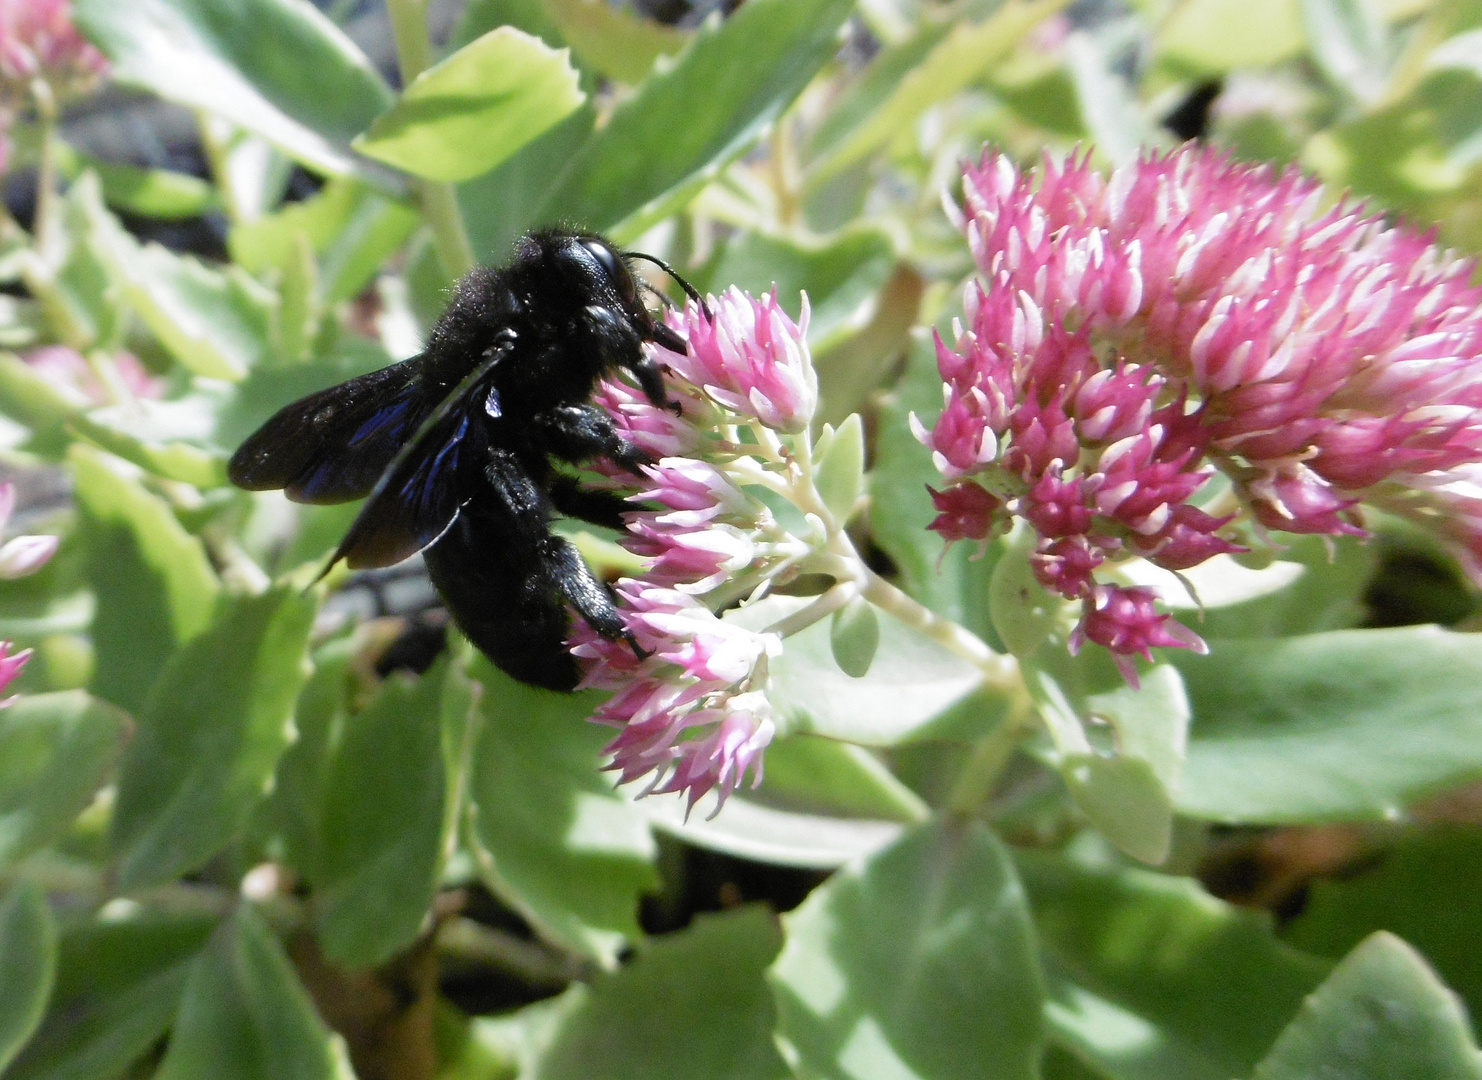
pixel 697 116
pixel 918 962
pixel 385 816
pixel 1381 1015
pixel 552 838
pixel 1151 977
pixel 465 115
pixel 56 751
pixel 244 1015
pixel 154 585
pixel 1353 724
pixel 28 962
pixel 210 735
pixel 691 1004
pixel 275 67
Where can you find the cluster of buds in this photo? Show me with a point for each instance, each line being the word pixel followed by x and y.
pixel 694 713
pixel 20 556
pixel 41 53
pixel 1132 334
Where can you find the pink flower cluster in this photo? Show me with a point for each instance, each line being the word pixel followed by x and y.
pixel 38 41
pixel 19 557
pixel 1132 333
pixel 693 713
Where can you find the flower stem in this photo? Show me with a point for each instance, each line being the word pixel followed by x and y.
pixel 999 671
pixel 46 171
pixel 439 199
pixel 979 776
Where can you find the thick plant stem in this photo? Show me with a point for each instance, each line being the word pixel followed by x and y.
pixel 46 171
pixel 1000 672
pixel 439 200
pixel 979 776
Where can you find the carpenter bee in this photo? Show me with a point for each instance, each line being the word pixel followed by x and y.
pixel 458 447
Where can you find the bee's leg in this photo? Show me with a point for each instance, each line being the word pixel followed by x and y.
pixel 578 433
pixel 625 347
pixel 605 508
pixel 556 560
pixel 651 377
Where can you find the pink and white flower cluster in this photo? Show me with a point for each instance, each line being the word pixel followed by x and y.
pixel 40 43
pixel 1131 334
pixel 20 556
pixel 694 712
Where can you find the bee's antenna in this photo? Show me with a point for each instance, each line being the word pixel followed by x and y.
pixel 689 290
pixel 661 296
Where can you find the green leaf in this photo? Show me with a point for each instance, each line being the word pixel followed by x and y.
pixel 612 40
pixel 806 772
pixel 1327 596
pixel 1151 977
pixel 1108 101
pixel 210 735
pixel 964 54
pixel 56 751
pixel 658 143
pixel 552 838
pixel 156 193
pixel 854 637
pixel 173 460
pixel 1381 1015
pixel 1217 36
pixel 918 962
pixel 912 683
pixel 275 67
pixel 691 1004
pixel 766 834
pixel 217 323
pixel 386 821
pixel 299 783
pixel 839 467
pixel 244 1015
pixel 155 587
pixel 1348 725
pixel 352 227
pixel 1349 43
pixel 841 275
pixel 28 963
pixel 81 300
pixel 465 115
pixel 28 398
pixel 119 982
pixel 1402 894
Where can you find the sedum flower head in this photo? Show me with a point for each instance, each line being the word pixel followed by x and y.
pixel 1132 334
pixel 38 40
pixel 693 714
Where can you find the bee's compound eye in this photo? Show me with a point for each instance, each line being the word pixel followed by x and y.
pixel 605 257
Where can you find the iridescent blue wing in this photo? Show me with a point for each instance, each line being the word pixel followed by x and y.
pixel 333 446
pixel 420 494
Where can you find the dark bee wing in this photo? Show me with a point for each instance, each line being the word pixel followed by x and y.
pixel 333 446
pixel 419 495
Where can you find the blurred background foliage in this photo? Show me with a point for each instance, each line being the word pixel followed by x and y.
pixel 250 829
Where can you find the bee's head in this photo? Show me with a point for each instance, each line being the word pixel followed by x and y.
pixel 596 269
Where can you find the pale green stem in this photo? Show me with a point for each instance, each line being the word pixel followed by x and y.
pixel 439 200
pixel 992 753
pixel 46 172
pixel 218 157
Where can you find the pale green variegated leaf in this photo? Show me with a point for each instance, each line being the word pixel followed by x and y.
pixel 245 1015
pixel 210 735
pixel 1353 724
pixel 1381 1015
pixel 1150 977
pixel 552 837
pixel 917 962
pixel 465 115
pixel 56 751
pixel 216 323
pixel 28 963
pixel 278 68
pixel 154 585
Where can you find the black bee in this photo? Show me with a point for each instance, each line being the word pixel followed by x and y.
pixel 457 447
